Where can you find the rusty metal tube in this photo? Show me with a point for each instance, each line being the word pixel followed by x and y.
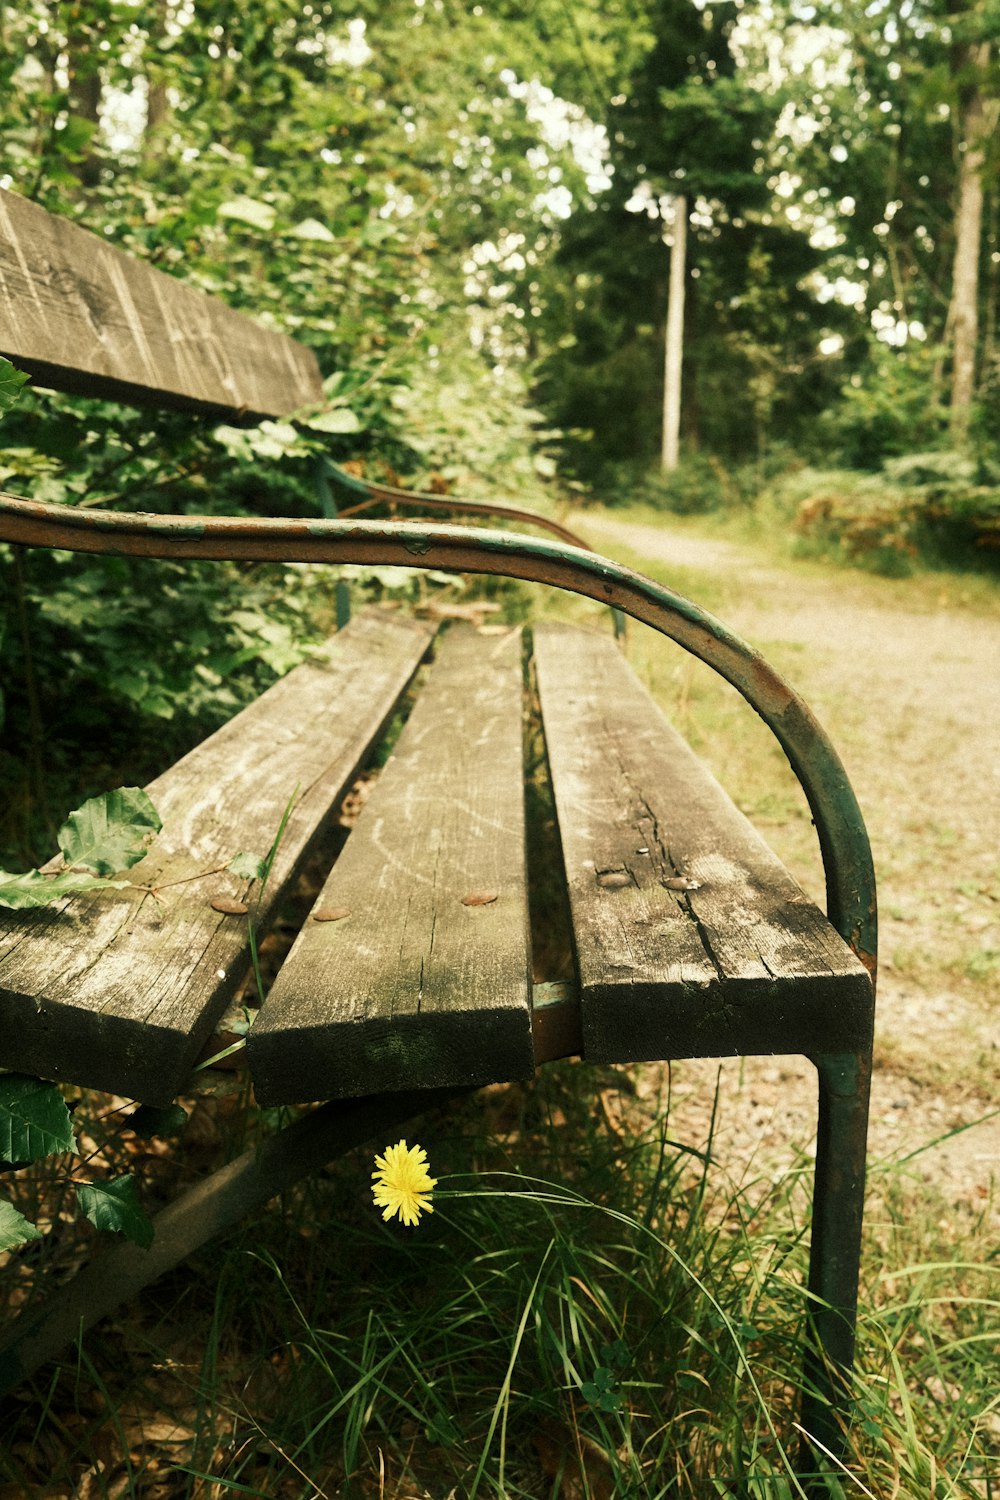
pixel 390 494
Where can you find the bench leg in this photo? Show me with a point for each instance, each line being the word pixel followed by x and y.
pixel 835 1255
pixel 205 1210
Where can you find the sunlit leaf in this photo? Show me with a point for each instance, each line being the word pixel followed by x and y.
pixel 33 889
pixel 15 1229
pixel 247 866
pixel 11 381
pixel 341 419
pixel 248 211
pixel 111 832
pixel 312 229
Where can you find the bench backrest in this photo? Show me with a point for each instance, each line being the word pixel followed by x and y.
pixel 80 316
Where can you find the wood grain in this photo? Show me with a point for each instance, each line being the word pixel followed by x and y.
pixel 416 988
pixel 118 990
pixel 741 963
pixel 79 315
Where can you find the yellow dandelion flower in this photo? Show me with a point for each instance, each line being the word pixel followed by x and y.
pixel 401 1184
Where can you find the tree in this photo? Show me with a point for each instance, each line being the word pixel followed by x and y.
pixel 891 145
pixel 977 114
pixel 684 124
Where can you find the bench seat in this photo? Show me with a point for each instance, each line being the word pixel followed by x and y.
pixel 413 985
pixel 415 967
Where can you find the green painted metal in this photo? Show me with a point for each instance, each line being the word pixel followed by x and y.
pixel 835 1249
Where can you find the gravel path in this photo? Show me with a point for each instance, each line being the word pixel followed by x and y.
pixel 919 694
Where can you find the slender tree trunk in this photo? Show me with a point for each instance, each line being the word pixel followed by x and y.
pixel 674 355
pixel 978 120
pixel 157 99
pixel 85 90
pixel 990 301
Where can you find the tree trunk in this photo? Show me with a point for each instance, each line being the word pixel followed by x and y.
pixel 157 99
pixel 674 355
pixel 84 98
pixel 978 120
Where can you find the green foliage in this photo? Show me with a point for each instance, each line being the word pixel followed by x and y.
pixel 33 889
pixel 34 1120
pixel 11 381
pixel 114 1204
pixel 35 1124
pixel 925 507
pixel 698 485
pixel 108 834
pixel 686 122
pixel 885 411
pixel 15 1229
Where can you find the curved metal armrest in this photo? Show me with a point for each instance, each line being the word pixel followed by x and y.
pixel 376 494
pixel 847 860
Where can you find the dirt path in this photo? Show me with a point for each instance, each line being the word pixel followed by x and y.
pixel 912 699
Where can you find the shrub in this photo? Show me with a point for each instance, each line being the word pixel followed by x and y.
pixel 933 507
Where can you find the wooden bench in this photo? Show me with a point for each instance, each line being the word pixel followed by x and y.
pixel 412 979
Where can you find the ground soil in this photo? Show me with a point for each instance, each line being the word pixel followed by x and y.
pixel 915 692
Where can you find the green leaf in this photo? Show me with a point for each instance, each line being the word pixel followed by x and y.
pixel 11 381
pixel 340 420
pixel 34 1120
pixel 248 211
pixel 15 1229
pixel 111 832
pixel 115 1205
pixel 247 866
pixel 33 889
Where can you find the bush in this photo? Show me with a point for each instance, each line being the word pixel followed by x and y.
pixel 928 506
pixel 698 485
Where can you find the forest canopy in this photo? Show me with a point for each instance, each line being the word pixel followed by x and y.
pixel 470 212
pixel 448 200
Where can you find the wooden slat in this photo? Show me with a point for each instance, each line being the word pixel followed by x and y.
pixel 416 989
pixel 117 990
pixel 79 315
pixel 744 964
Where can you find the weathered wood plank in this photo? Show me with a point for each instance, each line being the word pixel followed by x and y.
pixel 740 963
pixel 415 988
pixel 118 990
pixel 81 316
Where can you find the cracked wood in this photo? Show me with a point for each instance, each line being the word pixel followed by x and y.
pixel 418 987
pixel 740 961
pixel 117 990
pixel 80 316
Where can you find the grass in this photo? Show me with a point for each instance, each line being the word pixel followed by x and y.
pixel 594 1309
pixel 598 1307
